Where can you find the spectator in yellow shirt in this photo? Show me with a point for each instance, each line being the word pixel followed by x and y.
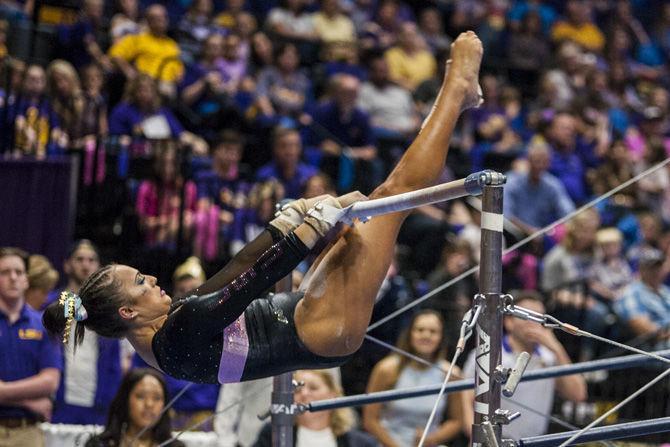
pixel 578 27
pixel 333 26
pixel 410 63
pixel 151 52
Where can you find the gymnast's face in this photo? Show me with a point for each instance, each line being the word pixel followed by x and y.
pixel 146 300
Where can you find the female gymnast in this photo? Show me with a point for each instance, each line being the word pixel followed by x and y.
pixel 222 333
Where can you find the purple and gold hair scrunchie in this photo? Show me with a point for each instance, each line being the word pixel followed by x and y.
pixel 73 309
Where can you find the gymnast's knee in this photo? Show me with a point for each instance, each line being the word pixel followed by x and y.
pixel 335 341
pixel 343 342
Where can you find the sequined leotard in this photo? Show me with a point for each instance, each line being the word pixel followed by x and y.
pixel 232 335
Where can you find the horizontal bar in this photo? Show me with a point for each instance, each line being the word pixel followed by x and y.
pixel 618 431
pixel 471 185
pixel 460 385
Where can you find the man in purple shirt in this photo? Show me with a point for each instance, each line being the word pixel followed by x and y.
pixel 79 42
pixel 286 166
pixel 344 136
pixel 30 361
pixel 570 156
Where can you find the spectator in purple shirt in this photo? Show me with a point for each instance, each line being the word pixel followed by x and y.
pixel 286 165
pixel 222 191
pixel 225 184
pixel 80 42
pixel 251 220
pixel 30 361
pixel 232 65
pixel 343 134
pixel 566 164
pixel 343 57
pixel 208 89
pixel 141 114
pixel 37 129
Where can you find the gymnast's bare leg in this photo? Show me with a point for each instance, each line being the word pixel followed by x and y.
pixel 333 316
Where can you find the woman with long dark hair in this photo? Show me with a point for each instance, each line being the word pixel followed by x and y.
pixel 134 413
pixel 401 423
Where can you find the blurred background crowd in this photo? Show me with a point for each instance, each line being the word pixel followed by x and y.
pixel 181 124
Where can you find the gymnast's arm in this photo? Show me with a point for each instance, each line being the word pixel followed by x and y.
pixel 213 311
pixel 241 262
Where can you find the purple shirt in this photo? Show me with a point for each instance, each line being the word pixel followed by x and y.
pixel 232 71
pixel 39 116
pixel 295 185
pixel 220 190
pixel 126 119
pixel 73 41
pixel 247 225
pixel 25 350
pixel 108 380
pixel 108 367
pixel 353 130
pixel 570 170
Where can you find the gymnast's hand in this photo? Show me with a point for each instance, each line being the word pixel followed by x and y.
pixel 291 214
pixel 328 212
pixel 350 198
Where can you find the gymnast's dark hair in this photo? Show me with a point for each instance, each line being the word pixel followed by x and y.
pixel 118 418
pixel 101 296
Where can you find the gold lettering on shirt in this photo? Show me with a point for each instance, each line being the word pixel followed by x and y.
pixel 30 334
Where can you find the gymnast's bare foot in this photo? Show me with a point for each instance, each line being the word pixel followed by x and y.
pixel 463 67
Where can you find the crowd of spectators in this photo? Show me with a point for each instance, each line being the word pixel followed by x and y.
pixel 207 113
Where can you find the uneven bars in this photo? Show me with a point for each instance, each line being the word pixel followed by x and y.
pixel 618 431
pixel 460 385
pixel 471 185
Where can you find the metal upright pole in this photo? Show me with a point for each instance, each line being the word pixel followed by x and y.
pixel 282 407
pixel 489 324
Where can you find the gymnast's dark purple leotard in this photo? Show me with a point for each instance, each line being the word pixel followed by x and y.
pixel 239 332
